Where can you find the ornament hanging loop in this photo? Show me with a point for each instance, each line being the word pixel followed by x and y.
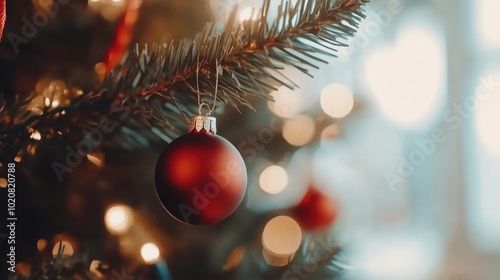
pixel 200 106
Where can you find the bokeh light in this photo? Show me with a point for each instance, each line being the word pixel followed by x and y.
pixel 330 132
pixel 287 102
pixel 3 183
pixel 94 268
pixel 407 79
pixel 234 258
pixel 399 256
pixel 97 158
pixel 150 253
pixel 41 244
pixel 36 135
pixel 486 20
pixel 487 116
pixel 111 10
pixel 337 100
pixel 23 269
pixel 118 219
pixel 273 179
pixel 43 5
pixel 281 238
pixel 100 69
pixel 249 13
pixel 64 247
pixel 299 130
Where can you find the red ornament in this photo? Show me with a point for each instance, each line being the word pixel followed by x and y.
pixel 316 210
pixel 200 177
pixel 123 35
pixel 3 16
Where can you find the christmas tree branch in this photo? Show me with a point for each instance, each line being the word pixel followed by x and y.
pixel 157 87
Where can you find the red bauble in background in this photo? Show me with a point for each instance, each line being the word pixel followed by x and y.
pixel 3 16
pixel 123 36
pixel 200 177
pixel 316 210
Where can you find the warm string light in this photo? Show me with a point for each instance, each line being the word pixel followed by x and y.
pixel 287 102
pixel 337 100
pixel 151 256
pixel 100 69
pixel 330 132
pixel 281 238
pixel 41 244
pixel 23 269
pixel 299 130
pixel 36 135
pixel 94 268
pixel 234 258
pixel 97 158
pixel 109 9
pixel 118 219
pixel 63 248
pixel 273 179
pixel 18 157
pixel 150 253
pixel 3 183
pixel 41 6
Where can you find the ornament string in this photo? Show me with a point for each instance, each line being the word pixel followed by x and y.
pixel 198 83
pixel 200 102
pixel 216 85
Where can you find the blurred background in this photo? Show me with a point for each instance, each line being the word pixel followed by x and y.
pixel 388 158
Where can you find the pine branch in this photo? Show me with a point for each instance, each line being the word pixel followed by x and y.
pixel 157 87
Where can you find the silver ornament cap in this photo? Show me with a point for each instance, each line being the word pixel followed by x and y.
pixel 199 123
